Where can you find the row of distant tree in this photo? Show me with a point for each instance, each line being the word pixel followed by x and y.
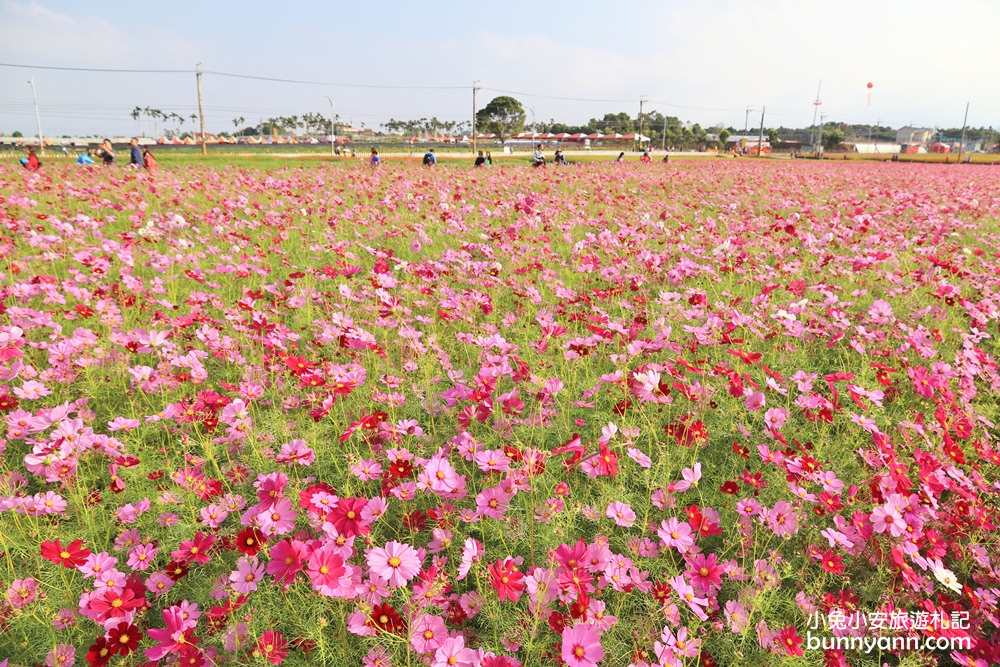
pixel 505 116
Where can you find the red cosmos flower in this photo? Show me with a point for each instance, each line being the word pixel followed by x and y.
pixel 298 365
pixel 506 580
pixel 346 516
pixel 115 605
pixel 249 541
pixel 831 562
pixel 730 487
pixel 607 462
pixel 557 622
pixel 790 640
pixel 661 592
pixel 387 619
pixel 124 639
pixel 7 402
pixel 195 550
pixel 72 555
pixel 99 653
pixel 273 647
pixel 400 469
pixel 176 570
pixel 190 656
pixel 227 608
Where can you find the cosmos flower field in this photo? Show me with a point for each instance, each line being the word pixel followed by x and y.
pixel 596 415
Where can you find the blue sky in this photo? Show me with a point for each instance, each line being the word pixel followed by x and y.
pixel 703 61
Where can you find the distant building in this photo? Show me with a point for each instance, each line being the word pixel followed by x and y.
pixel 919 136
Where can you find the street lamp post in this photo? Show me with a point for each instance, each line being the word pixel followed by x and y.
pixel 38 118
pixel 333 127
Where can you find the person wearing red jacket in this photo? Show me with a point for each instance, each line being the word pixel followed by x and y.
pixel 31 162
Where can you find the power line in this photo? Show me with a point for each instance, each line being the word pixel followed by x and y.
pixel 685 106
pixel 101 69
pixel 553 97
pixel 328 83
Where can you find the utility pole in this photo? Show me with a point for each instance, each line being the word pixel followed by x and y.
pixel 961 146
pixel 201 109
pixel 816 105
pixel 333 128
pixel 38 117
pixel 664 133
pixel 746 120
pixel 760 139
pixel 822 124
pixel 642 100
pixel 474 89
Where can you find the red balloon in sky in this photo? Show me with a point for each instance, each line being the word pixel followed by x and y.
pixel 871 85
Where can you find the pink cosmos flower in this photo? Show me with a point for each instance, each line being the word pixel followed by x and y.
pixel 754 401
pixel 428 633
pixel 278 519
pixel 296 451
pixel 397 563
pixel 472 551
pixel 172 637
pixel 621 513
pixel 775 418
pixel 492 502
pixel 367 470
pixel 888 519
pixel 212 516
pixel 676 534
pixel 452 653
pixel 601 621
pixel 246 575
pixel 782 519
pixel 377 657
pixel 22 592
pixel 97 563
pixel 158 583
pixel 63 655
pixel 581 646
pixel 325 570
pixel 705 573
pixel 687 594
pixel 439 476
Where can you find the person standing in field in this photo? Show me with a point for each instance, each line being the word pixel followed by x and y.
pixel 429 158
pixel 621 157
pixel 107 153
pixel 149 162
pixel 480 160
pixel 646 159
pixel 489 159
pixel 135 155
pixel 374 160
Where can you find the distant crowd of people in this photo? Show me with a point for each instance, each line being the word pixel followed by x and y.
pixel 140 157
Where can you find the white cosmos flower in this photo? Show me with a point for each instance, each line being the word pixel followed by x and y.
pixel 947 579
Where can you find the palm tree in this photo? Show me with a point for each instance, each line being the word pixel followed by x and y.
pixel 237 122
pixel 136 113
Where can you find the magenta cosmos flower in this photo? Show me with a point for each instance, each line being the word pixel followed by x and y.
pixel 396 563
pixel 581 646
